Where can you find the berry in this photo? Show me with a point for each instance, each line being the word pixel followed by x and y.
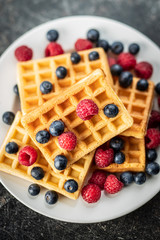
pixel 117 47
pixel 86 109
pixel 93 56
pixel 42 136
pixel 67 141
pixel 151 155
pixel 91 193
pixel 46 87
pixel 93 35
pixel 8 117
pixel 27 156
pixel 112 184
pixel 61 72
pixel 154 120
pixel 52 35
pixel 71 186
pixel 111 110
pixel 134 48
pixel 53 49
pixel 34 189
pixel 75 58
pixel 104 158
pixel 152 138
pixel 56 128
pixel 119 157
pixel 152 168
pixel 60 162
pixel 98 178
pixel 157 88
pixel 11 147
pixel 51 197
pixel 111 61
pixel 127 61
pixel 23 53
pixel 126 178
pixel 142 85
pixel 125 79
pixel 103 44
pixel 117 143
pixel 83 44
pixel 15 90
pixel 37 173
pixel 139 178
pixel 144 70
pixel 116 70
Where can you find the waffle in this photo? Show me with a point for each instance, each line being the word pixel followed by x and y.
pixel 54 181
pixel 134 150
pixel 32 73
pixel 138 104
pixel 90 134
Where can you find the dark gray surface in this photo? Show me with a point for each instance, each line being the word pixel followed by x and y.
pixel 17 221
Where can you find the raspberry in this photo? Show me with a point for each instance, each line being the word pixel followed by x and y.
pixel 144 70
pixel 112 184
pixel 111 61
pixel 127 61
pixel 23 53
pixel 159 101
pixel 91 193
pixel 98 177
pixel 154 120
pixel 83 44
pixel 53 49
pixel 67 141
pixel 86 109
pixel 104 158
pixel 27 156
pixel 152 138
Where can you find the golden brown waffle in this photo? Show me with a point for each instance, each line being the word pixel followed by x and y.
pixel 91 133
pixel 32 73
pixel 54 181
pixel 138 104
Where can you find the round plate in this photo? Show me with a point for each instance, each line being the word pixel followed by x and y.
pixel 70 29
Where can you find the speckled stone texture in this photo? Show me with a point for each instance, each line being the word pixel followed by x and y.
pixel 17 221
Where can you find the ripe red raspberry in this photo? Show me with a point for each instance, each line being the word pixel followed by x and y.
pixel 112 184
pixel 111 61
pixel 23 53
pixel 27 156
pixel 53 49
pixel 144 70
pixel 98 177
pixel 159 101
pixel 152 138
pixel 83 44
pixel 154 120
pixel 104 158
pixel 127 61
pixel 67 141
pixel 91 193
pixel 86 109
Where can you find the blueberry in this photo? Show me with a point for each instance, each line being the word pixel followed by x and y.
pixel 93 35
pixel 139 178
pixel 34 189
pixel 134 48
pixel 93 56
pixel 142 85
pixel 116 70
pixel 71 186
pixel 111 110
pixel 157 88
pixel 51 197
pixel 56 128
pixel 46 87
pixel 11 147
pixel 117 47
pixel 119 157
pixel 42 136
pixel 125 79
pixel 8 117
pixel 61 72
pixel 103 44
pixel 52 35
pixel 126 178
pixel 15 90
pixel 60 162
pixel 75 58
pixel 117 143
pixel 151 155
pixel 152 168
pixel 37 173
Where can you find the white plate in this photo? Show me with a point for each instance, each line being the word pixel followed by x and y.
pixel 71 28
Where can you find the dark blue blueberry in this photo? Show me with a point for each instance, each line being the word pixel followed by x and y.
pixel 37 173
pixel 93 35
pixel 93 56
pixel 142 85
pixel 11 147
pixel 116 70
pixel 52 35
pixel 61 72
pixel 151 155
pixel 60 162
pixel 71 186
pixel 125 79
pixel 111 110
pixel 56 128
pixel 8 117
pixel 139 178
pixel 126 178
pixel 46 87
pixel 117 47
pixel 119 157
pixel 34 189
pixel 117 143
pixel 75 58
pixel 51 197
pixel 134 48
pixel 157 88
pixel 15 90
pixel 42 136
pixel 152 168
pixel 103 44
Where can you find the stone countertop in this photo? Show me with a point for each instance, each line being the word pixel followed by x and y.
pixel 19 222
